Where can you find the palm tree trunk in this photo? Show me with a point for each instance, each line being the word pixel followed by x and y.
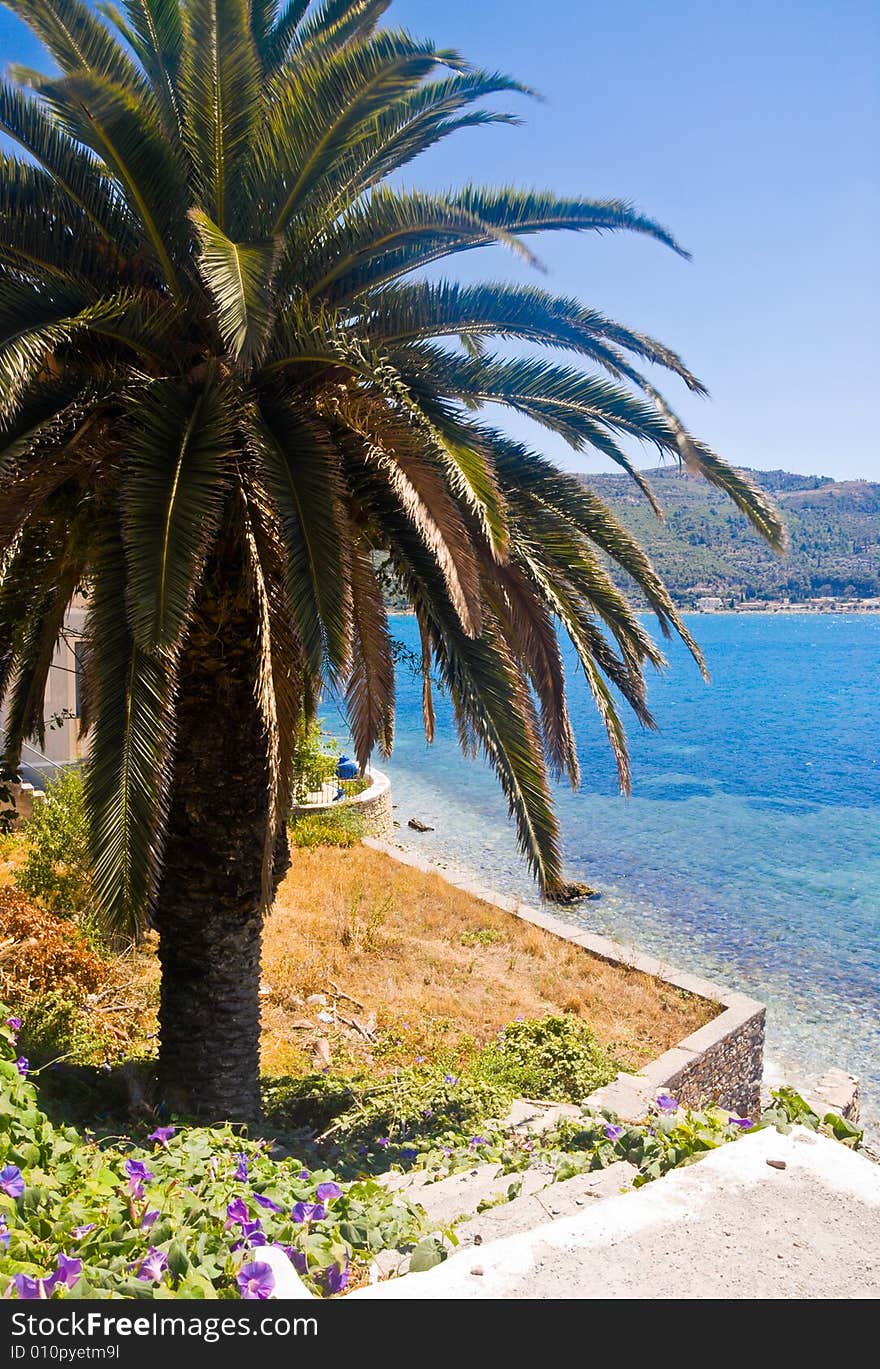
pixel 209 906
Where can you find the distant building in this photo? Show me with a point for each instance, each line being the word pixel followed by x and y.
pixel 62 705
pixel 709 603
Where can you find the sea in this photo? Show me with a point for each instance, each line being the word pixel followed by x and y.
pixel 750 848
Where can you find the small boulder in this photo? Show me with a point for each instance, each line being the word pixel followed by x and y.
pixel 571 891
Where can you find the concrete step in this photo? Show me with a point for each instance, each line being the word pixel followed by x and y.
pixel 511 1203
pixel 771 1216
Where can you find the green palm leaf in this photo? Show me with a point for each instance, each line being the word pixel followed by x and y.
pixel 77 40
pixel 126 778
pixel 179 444
pixel 220 87
pixel 308 497
pixel 238 277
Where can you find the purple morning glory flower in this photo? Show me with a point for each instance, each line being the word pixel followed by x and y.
pixel 450 1079
pixel 420 1060
pixel 520 1017
pixel 408 1153
pixel 237 1211
pixel 666 1104
pixel 11 1182
pixel 383 1142
pixel 265 1202
pixel 477 1141
pixel 325 1193
pixel 336 1277
pixel 447 1150
pixel 162 1135
pixel 612 1132
pixel 241 1172
pixel 22 1064
pixel 26 1287
pixel 255 1280
pixel 138 1175
pixel 253 1231
pixel 149 1218
pixel 4 1235
pixel 301 1212
pixel 14 1023
pixel 319 1212
pixel 68 1272
pixel 745 1122
pixel 304 1174
pixel 79 1231
pixel 153 1265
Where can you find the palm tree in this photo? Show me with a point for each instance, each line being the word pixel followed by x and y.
pixel 224 384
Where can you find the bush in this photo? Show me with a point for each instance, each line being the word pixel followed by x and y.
pixel 341 826
pixel 314 763
pixel 45 953
pixel 55 1028
pixel 57 867
pixel 555 1058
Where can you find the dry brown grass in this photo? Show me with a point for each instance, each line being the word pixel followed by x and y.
pixel 431 967
pixel 436 968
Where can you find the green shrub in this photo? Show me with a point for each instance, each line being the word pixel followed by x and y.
pixel 554 1058
pixel 366 1122
pixel 482 936
pixel 57 867
pixel 315 759
pixel 54 1028
pixel 342 826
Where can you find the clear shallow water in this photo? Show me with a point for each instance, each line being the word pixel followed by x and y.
pixel 751 848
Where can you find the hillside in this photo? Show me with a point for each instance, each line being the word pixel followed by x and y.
pixel 705 547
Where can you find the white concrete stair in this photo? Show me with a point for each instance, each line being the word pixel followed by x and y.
pixel 767 1216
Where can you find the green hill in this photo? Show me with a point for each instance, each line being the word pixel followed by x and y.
pixel 705 547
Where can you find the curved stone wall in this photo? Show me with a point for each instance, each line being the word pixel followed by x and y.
pixel 373 805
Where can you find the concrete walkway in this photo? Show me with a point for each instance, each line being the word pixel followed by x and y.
pixel 730 1226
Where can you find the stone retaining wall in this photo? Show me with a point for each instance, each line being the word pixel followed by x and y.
pixel 373 806
pixel 722 1062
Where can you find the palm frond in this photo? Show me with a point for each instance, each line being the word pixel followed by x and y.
pixel 299 467
pixel 77 40
pixel 421 492
pixel 38 638
pixel 179 444
pixel 369 692
pixel 220 87
pixel 126 776
pixel 156 34
pixel 238 276
pixel 275 43
pixel 312 114
pixel 390 234
pixel 423 310
pixel 125 132
pixel 74 171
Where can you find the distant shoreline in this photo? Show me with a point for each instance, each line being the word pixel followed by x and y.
pixel 783 610
pixel 771 611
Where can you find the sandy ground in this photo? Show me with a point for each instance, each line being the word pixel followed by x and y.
pixel 730 1226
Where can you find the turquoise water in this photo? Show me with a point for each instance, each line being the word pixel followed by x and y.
pixel 750 850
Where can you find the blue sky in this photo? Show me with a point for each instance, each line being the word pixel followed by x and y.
pixel 751 129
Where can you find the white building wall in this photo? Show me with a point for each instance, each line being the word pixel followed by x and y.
pixel 61 708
